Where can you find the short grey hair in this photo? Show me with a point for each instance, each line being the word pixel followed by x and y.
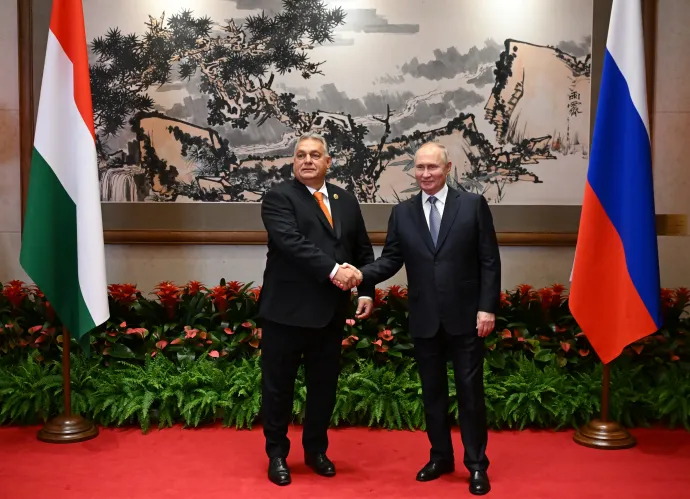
pixel 313 136
pixel 440 147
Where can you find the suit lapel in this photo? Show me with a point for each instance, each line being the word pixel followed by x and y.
pixel 449 212
pixel 313 205
pixel 420 221
pixel 336 214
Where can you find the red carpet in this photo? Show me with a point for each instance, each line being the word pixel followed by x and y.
pixel 225 463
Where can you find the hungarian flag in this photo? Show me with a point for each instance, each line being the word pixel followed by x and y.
pixel 62 241
pixel 615 291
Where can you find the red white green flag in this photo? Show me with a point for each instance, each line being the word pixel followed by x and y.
pixel 62 242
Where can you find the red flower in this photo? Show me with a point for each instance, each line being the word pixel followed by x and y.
pixel 123 293
pixel 168 294
pixel 682 296
pixel 349 341
pixel 546 297
pixel 526 292
pixel 379 298
pixel 255 293
pixel 194 287
pixel 397 291
pixel 386 335
pixel 189 332
pixel 15 291
pixel 255 338
pixel 222 295
pixel 505 302
pixel 379 346
pixel 137 330
pixel 214 354
pixel 38 294
pixel 668 299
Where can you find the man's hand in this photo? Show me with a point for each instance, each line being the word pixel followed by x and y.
pixel 347 277
pixel 485 323
pixel 365 306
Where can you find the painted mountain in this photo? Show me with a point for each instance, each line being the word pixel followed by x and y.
pixel 207 109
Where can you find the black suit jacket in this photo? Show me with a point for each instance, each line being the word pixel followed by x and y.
pixel 448 284
pixel 303 248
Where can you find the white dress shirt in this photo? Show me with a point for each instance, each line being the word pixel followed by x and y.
pixel 326 201
pixel 440 203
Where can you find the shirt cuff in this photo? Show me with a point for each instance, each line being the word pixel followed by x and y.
pixel 364 297
pixel 334 271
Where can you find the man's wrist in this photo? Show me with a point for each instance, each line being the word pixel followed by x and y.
pixel 334 271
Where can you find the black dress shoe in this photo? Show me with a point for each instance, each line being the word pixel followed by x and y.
pixel 479 483
pixel 278 471
pixel 435 469
pixel 320 464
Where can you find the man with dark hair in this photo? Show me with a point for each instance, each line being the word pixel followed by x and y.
pixel 313 228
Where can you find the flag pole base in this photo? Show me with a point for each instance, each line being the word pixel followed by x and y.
pixel 67 430
pixel 600 434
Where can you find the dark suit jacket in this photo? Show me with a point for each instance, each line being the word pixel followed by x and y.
pixel 303 249
pixel 449 284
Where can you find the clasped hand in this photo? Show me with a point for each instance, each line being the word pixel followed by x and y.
pixel 347 277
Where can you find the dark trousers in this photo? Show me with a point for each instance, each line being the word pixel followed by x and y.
pixel 283 349
pixel 466 352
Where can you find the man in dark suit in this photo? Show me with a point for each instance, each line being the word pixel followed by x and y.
pixel 447 242
pixel 313 227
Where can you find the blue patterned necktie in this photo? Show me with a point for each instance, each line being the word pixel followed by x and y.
pixel 434 219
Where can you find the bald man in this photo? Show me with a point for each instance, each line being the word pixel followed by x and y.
pixel 447 242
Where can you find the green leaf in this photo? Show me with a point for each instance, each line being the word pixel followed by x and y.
pixel 545 355
pixel 120 351
pixel 186 355
pixel 497 359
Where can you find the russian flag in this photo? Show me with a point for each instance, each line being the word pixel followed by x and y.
pixel 615 290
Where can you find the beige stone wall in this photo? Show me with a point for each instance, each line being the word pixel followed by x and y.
pixel 146 265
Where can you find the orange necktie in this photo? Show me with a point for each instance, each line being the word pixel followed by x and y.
pixel 319 199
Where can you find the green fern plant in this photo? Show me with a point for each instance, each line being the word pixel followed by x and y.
pixel 343 411
pixel 386 395
pixel 538 396
pixel 673 396
pixel 29 391
pixel 631 402
pixel 242 399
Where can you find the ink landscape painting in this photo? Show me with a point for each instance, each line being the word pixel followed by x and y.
pixel 203 101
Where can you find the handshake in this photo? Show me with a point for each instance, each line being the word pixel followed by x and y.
pixel 347 277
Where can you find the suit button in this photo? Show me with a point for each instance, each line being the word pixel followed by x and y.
pixel 436 264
